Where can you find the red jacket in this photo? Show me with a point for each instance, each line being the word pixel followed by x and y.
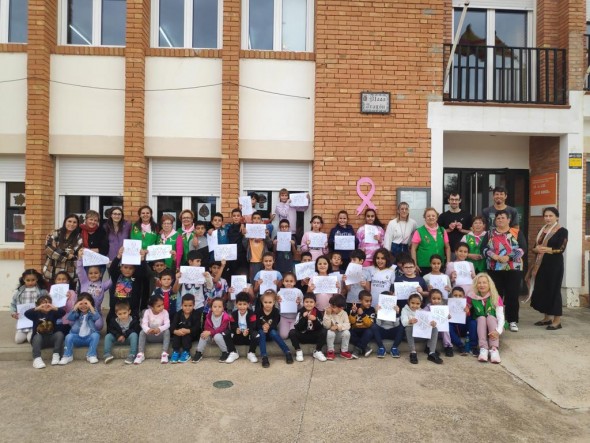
pixel 225 320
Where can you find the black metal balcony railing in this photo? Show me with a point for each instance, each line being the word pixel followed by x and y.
pixel 506 75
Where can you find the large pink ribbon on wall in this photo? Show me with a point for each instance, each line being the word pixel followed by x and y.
pixel 366 198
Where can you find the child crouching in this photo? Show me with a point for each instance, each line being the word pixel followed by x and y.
pixel 122 330
pixel 185 327
pixel 408 319
pixel 155 328
pixel 308 328
pixel 216 323
pixel 45 333
pixel 338 326
pixel 83 331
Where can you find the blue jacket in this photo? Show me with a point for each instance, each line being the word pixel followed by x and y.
pixel 77 317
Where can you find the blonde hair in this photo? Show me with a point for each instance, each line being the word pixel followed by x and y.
pixel 269 293
pixel 493 290
pixel 427 210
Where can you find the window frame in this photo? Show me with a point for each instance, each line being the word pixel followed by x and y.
pixel 5 23
pixel 3 207
pixel 62 19
pixel 278 27
pixel 188 25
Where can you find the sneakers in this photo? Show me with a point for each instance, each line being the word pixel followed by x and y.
pixel 139 359
pixel 475 352
pixel 394 353
pixel 319 355
pixel 92 359
pixel 252 357
pixel 434 358
pixel 368 352
pixel 232 357
pixel 38 363
pixel 495 356
pixel 265 362
pixel 346 355
pixel 129 360
pixel 483 355
pixel 299 355
pixel 55 359
pixel 463 351
pixel 223 357
pixel 513 326
pixel 184 357
pixel 381 353
pixel 197 357
pixel 164 358
pixel 330 355
pixel 174 357
pixel 108 358
pixel 449 351
pixel 413 358
pixel 357 353
pixel 289 358
pixel 65 360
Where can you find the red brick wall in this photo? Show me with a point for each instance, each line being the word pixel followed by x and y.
pixel 374 46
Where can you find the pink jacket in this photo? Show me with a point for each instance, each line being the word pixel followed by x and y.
pixel 159 321
pixel 225 320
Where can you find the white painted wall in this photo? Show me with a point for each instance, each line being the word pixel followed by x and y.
pixel 190 116
pixel 468 150
pixel 84 111
pixel 11 272
pixel 13 113
pixel 268 117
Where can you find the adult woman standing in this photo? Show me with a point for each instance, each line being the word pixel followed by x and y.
pixel 503 253
pixel 62 248
pixel 428 240
pixel 168 236
pixel 186 232
pixel 545 275
pixel 117 230
pixel 145 228
pixel 399 231
pixel 473 240
pixel 93 236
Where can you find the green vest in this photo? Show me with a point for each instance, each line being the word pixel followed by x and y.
pixel 150 238
pixel 186 241
pixel 474 248
pixel 172 242
pixel 429 246
pixel 479 310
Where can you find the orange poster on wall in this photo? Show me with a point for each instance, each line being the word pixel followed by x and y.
pixel 544 190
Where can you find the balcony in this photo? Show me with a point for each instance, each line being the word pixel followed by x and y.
pixel 502 74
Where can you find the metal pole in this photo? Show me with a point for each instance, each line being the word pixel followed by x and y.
pixel 455 41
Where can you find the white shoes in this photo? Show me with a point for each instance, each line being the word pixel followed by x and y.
pixel 483 355
pixel 495 356
pixel 65 360
pixel 164 358
pixel 38 363
pixel 92 359
pixel 139 359
pixel 319 356
pixel 55 360
pixel 299 355
pixel 252 357
pixel 513 326
pixel 232 357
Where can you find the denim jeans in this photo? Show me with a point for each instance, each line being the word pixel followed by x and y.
pixel 361 337
pixel 457 330
pixel 396 334
pixel 75 341
pixel 111 340
pixel 274 334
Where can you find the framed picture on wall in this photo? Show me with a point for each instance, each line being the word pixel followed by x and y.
pixel 417 199
pixel 204 211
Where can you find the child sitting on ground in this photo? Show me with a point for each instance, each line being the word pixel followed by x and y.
pixel 487 309
pixel 408 319
pixel 391 330
pixel 45 334
pixel 288 319
pixel 362 324
pixel 122 330
pixel 31 288
pixel 91 281
pixel 308 328
pixel 216 324
pixel 83 331
pixel 267 321
pixel 468 329
pixel 436 299
pixel 243 327
pixel 155 328
pixel 185 327
pixel 338 326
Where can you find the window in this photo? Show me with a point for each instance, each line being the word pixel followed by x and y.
pixel 13 21
pixel 187 23
pixel 12 200
pixel 83 22
pixel 277 25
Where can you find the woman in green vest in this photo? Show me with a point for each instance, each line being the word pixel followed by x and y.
pixel 168 236
pixel 428 240
pixel 473 240
pixel 145 228
pixel 186 232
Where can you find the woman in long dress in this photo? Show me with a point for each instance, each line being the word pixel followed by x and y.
pixel 545 275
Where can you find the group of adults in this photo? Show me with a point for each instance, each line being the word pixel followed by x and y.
pixel 497 246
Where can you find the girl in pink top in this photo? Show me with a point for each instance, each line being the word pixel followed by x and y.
pixel 487 309
pixel 369 245
pixel 155 328
pixel 316 225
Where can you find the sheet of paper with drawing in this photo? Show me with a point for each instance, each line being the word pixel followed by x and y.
pixel 91 258
pixel 192 275
pixel 344 242
pixel 239 283
pixel 457 310
pixel 463 271
pixel 404 289
pixel 268 278
pixel 370 232
pixel 283 241
pixel 23 322
pixel 325 284
pixel 158 252
pixel 440 314
pixel 299 199
pixel 255 230
pixel 288 300
pixel 305 270
pixel 354 273
pixel 59 294
pixel 246 202
pixel 422 329
pixel 226 252
pixel 212 240
pixel 387 304
pixel 317 240
pixel 439 282
pixel 131 252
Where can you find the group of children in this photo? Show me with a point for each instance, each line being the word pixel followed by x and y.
pixel 178 314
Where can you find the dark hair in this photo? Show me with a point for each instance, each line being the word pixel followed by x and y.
pixel 386 254
pixel 306 254
pixel 291 273
pixel 358 253
pixel 478 217
pixel 68 276
pixel 259 214
pixel 153 224
pixel 243 296
pixel 217 299
pixel 309 295
pixel 342 211
pixel 325 257
pixel 338 301
pixel 109 226
pixel 364 293
pixel 377 222
pixel 200 223
pixel 333 253
pixel 318 217
pixel 122 305
pixel 387 292
pixel 236 210
pixel 217 214
pixel 499 189
pixel 551 209
pixel 458 288
pixel 215 263
pixel 188 297
pixel 415 295
pixel 502 212
pixel 435 291
pixel 43 297
pixel 85 296
pixel 40 279
pixel 284 221
pixel 461 244
pixel 152 263
pixel 268 254
pixel 70 241
pixel 167 272
pixel 403 259
pixel 255 196
pixel 194 255
pixel 435 256
pixel 154 299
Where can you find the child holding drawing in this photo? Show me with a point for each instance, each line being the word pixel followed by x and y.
pixel 30 289
pixel 408 319
pixel 390 330
pixel 436 265
pixel 436 299
pixel 287 212
pixel 342 229
pixel 461 271
pixel 197 290
pixel 467 329
pixel 322 269
pixel 284 261
pixel 256 247
pixel 316 226
pixel 370 243
pixel 352 291
pixel 91 281
pixel 288 319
